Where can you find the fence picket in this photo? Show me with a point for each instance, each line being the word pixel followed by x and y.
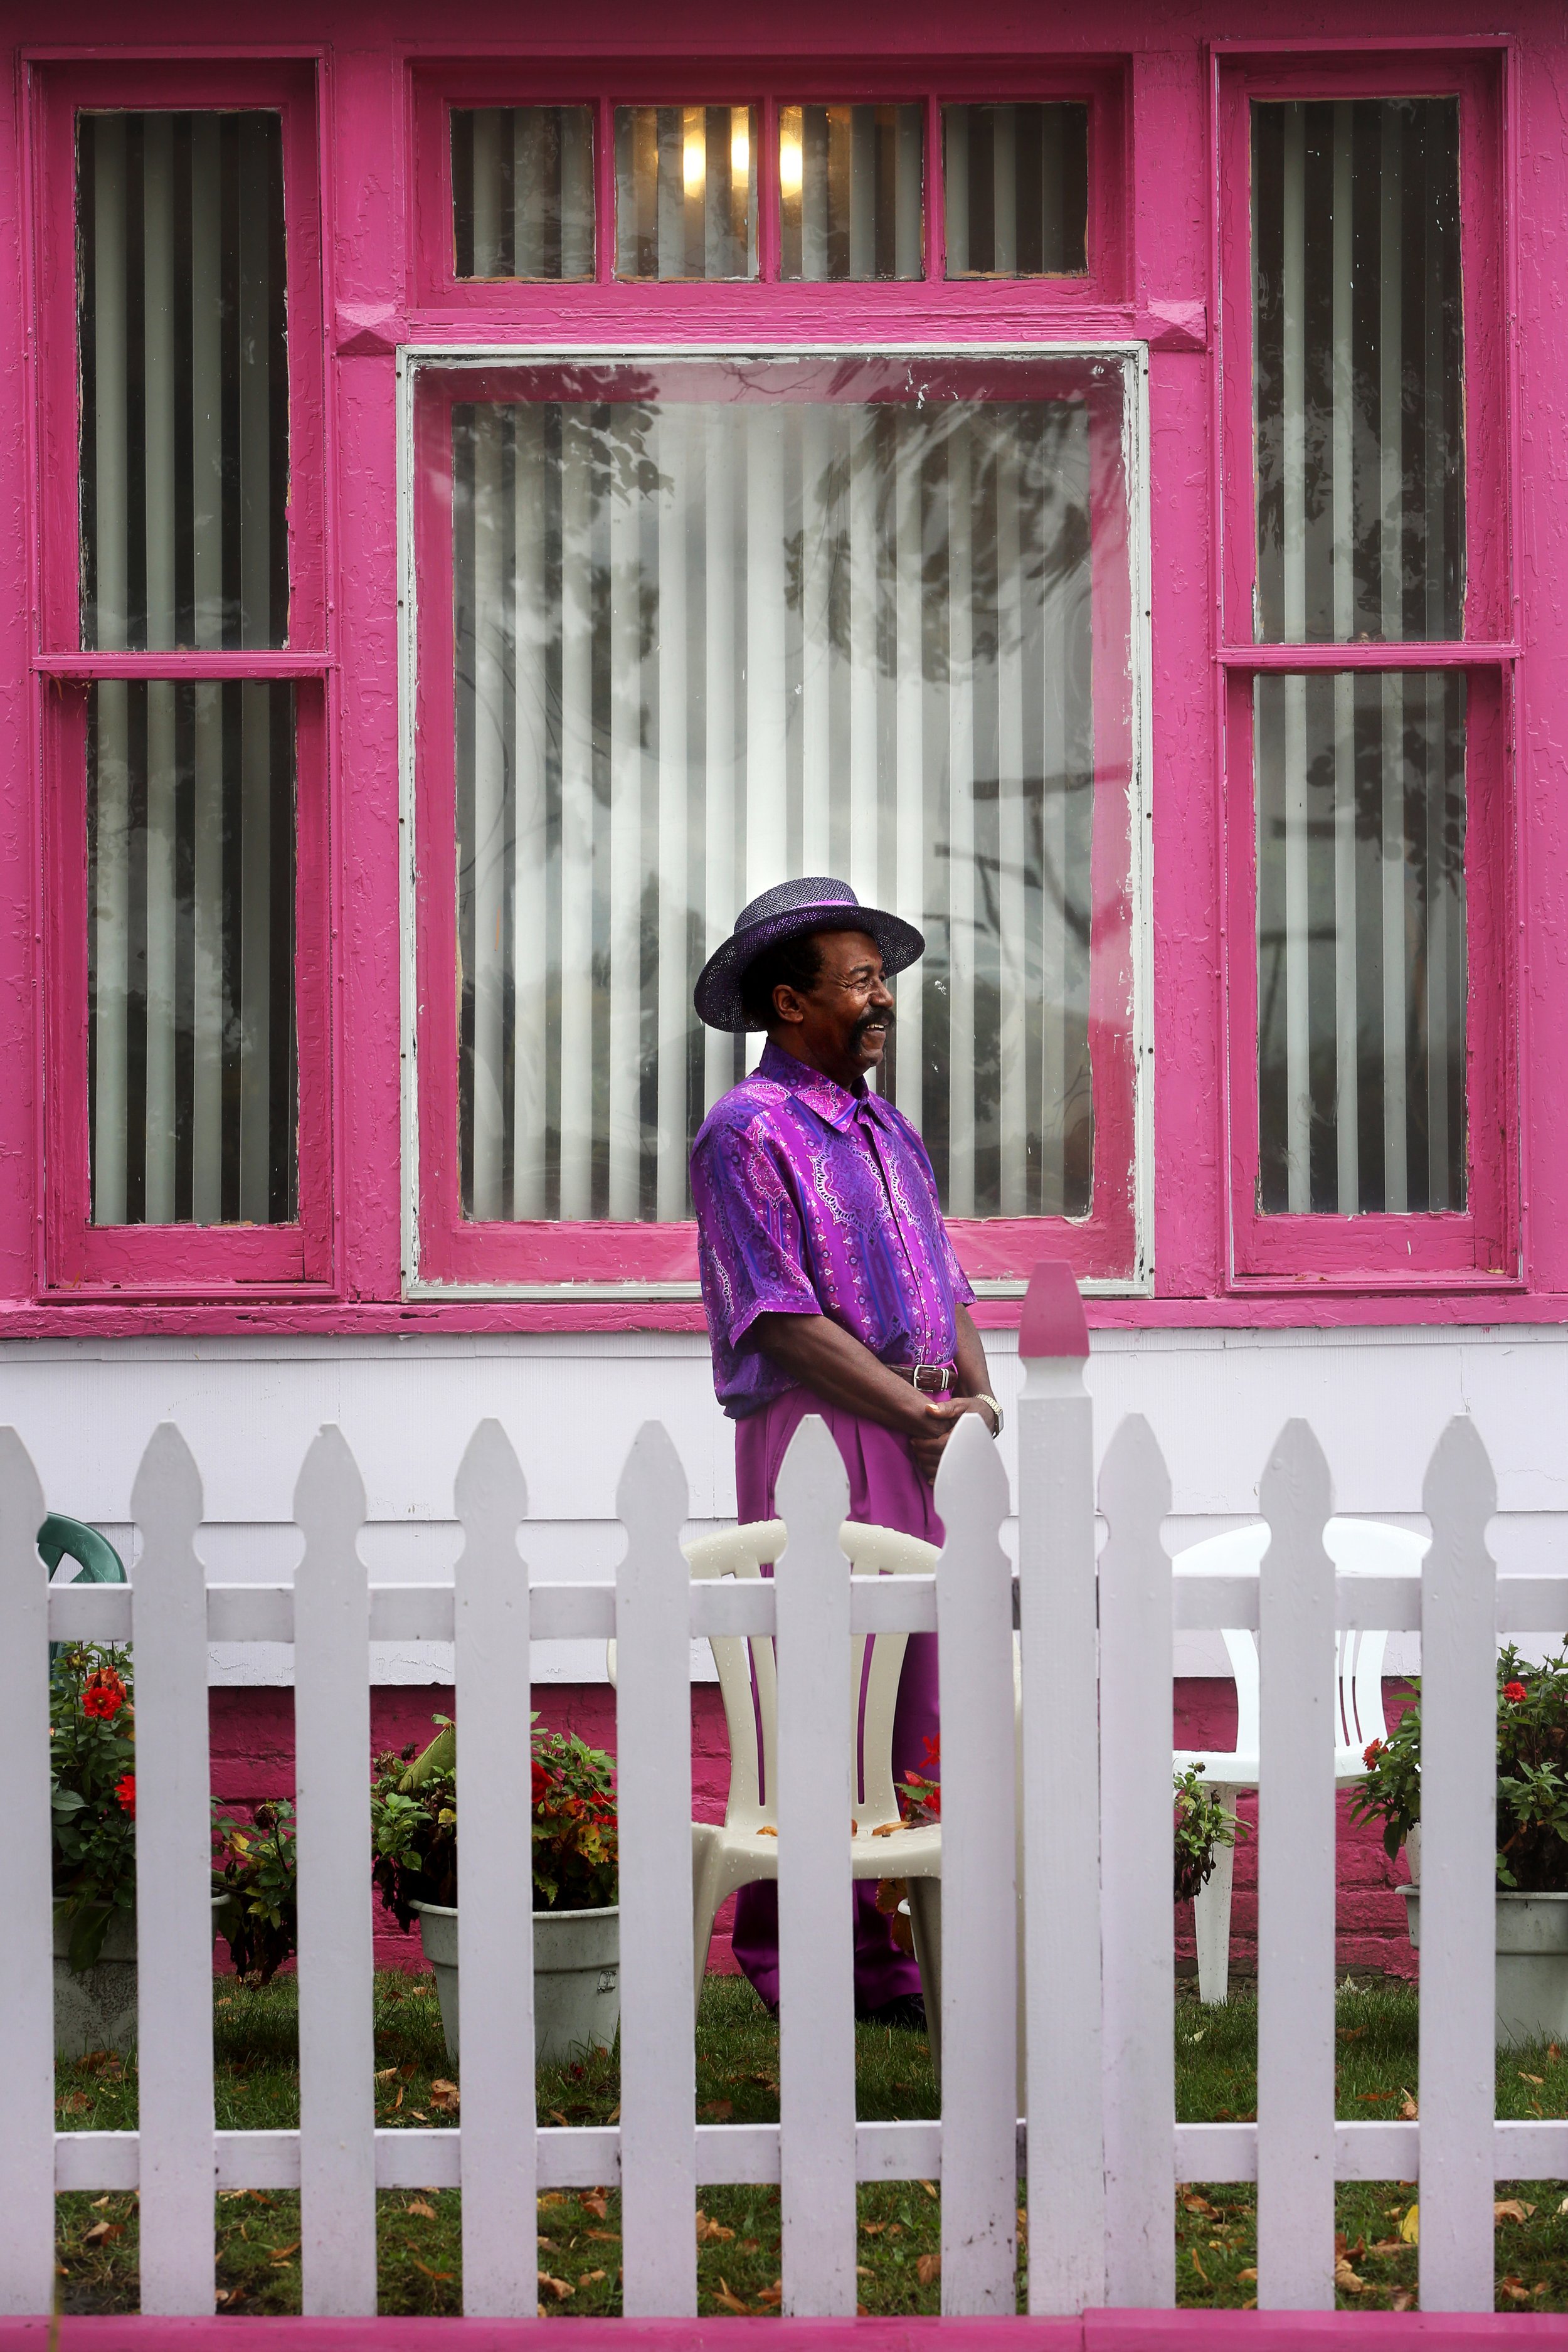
pixel 173 1884
pixel 980 1936
pixel 1059 1678
pixel 495 1897
pixel 1459 1875
pixel 1295 1883
pixel 653 1735
pixel 816 1972
pixel 27 1981
pixel 1135 1743
pixel 332 1741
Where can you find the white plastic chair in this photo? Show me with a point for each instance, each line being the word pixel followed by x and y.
pixel 743 1847
pixel 1357 1548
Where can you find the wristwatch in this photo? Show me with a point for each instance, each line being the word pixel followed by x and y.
pixel 982 1398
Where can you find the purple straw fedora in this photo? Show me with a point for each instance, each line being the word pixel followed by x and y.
pixel 817 903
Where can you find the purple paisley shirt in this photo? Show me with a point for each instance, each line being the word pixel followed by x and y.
pixel 813 1201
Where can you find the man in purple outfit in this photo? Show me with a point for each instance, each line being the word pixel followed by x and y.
pixel 831 1287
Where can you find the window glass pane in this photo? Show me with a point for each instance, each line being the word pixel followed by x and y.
pixel 523 191
pixel 685 192
pixel 850 187
pixel 184 391
pixel 191 952
pixel 1361 941
pixel 1015 190
pixel 722 623
pixel 1359 356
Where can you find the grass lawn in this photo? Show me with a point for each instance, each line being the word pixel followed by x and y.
pixel 738 2229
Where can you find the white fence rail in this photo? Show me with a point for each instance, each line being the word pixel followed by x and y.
pixel 1100 2148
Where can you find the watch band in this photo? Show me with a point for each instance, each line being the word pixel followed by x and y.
pixel 982 1397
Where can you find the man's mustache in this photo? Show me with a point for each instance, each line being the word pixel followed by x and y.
pixel 873 1020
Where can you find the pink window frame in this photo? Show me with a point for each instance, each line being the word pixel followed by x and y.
pixel 766 84
pixel 1478 1247
pixel 79 1260
pixel 453 1251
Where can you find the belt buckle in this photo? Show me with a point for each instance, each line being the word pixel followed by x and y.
pixel 942 1379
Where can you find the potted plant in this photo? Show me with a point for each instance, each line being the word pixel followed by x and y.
pixel 256 1889
pixel 92 1792
pixel 577 1923
pixel 1532 1838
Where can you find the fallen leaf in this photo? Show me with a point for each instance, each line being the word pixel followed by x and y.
pixel 1553 2054
pixel 862 2311
pixel 445 2276
pixel 928 2267
pixel 557 2117
pixel 854 1826
pixel 930 2188
pixel 596 2203
pixel 719 2111
pixel 1198 2266
pixel 287 2253
pixel 552 2197
pixel 1512 2289
pixel 875 2228
pixel 398 2101
pixel 1536 2079
pixel 730 2302
pixel 1193 2039
pixel 102 2233
pixel 1386 2246
pixel 1407 2107
pixel 1345 2278
pixel 1410 2227
pixel 559 2288
pixel 1195 2203
pixel 772 2295
pixel 765 1830
pixel 1248 2278
pixel 1369 2098
pixel 1512 2208
pixel 386 2074
pixel 605 2237
pixel 426 2213
pixel 887 1829
pixel 861 2272
pixel 548 2243
pixel 418 2114
pixel 98 2203
pixel 589 2277
pixel 1351 2033
pixel 445 2096
pixel 710 2232
pixel 74 2102
pixel 1405 2299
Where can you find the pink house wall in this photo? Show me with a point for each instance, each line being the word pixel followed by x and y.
pixel 253 1759
pixel 361 56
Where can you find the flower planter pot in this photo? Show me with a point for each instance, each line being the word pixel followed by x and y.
pixel 576 1978
pixel 97 2009
pixel 1531 1964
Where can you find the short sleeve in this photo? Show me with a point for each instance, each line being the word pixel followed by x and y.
pixel 750 1245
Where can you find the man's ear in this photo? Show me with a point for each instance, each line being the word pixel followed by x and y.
pixel 788 1010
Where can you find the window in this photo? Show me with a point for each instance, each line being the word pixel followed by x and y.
pixel 689 625
pixel 183 701
pixel 1368 682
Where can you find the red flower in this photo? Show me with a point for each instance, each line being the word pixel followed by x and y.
pixel 541 1782
pixel 1371 1753
pixel 125 1790
pixel 103 1695
pixel 1514 1691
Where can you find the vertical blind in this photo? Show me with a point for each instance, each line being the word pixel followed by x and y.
pixel 1015 190
pixel 191 1039
pixel 190 786
pixel 523 191
pixel 184 439
pixel 1361 535
pixel 702 645
pixel 851 181
pixel 685 192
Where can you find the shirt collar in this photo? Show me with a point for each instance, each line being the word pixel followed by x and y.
pixel 836 1105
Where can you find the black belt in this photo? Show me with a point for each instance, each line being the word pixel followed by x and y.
pixel 931 1380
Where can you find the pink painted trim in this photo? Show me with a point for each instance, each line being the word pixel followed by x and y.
pixel 1385 653
pixel 80 1258
pixel 1093 2331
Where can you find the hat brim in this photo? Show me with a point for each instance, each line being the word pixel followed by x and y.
pixel 718 993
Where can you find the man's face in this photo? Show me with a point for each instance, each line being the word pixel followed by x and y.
pixel 842 1024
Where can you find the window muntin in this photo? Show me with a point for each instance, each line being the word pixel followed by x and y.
pixel 716 623
pixel 1015 187
pixel 184 396
pixel 192 1076
pixel 523 191
pixel 685 192
pixel 851 192
pixel 1361 943
pixel 1358 370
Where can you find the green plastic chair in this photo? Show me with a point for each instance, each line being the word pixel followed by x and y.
pixel 97 1562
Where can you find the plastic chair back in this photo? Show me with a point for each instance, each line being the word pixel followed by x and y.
pixel 97 1560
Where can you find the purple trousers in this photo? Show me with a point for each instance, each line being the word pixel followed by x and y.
pixel 885 1490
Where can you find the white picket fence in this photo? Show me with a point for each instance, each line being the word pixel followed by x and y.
pixel 1100 2151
